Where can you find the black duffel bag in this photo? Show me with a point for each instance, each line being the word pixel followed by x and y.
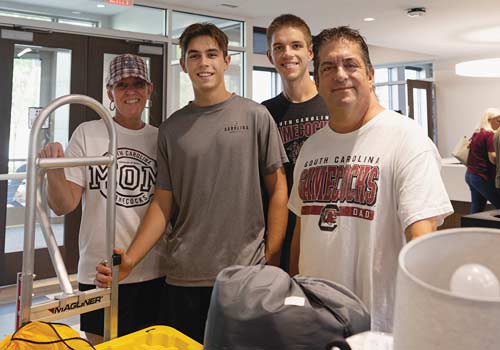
pixel 261 307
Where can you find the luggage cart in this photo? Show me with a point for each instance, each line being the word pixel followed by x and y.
pixel 69 302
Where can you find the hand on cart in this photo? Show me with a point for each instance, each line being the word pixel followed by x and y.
pixel 63 196
pixel 103 274
pixel 52 150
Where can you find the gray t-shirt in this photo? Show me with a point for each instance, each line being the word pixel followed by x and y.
pixel 212 158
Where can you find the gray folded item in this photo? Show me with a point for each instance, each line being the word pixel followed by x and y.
pixel 261 307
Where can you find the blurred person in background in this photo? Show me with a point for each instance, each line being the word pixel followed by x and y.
pixel 481 169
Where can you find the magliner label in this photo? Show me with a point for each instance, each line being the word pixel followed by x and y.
pixel 76 305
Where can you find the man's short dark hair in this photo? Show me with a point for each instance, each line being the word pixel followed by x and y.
pixel 343 33
pixel 288 20
pixel 203 29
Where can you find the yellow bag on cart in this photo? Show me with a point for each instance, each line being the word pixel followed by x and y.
pixel 39 335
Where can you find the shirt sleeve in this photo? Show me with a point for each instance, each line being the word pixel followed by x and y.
pixel 76 149
pixel 272 154
pixel 163 178
pixel 420 191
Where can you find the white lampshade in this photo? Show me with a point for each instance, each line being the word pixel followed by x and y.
pixel 427 314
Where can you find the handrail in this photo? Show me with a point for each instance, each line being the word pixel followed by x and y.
pixel 35 172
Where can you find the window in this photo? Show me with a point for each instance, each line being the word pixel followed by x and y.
pixel 46 18
pixel 391 87
pixel 138 19
pixel 259 41
pixel 232 28
pixel 25 15
pixel 266 84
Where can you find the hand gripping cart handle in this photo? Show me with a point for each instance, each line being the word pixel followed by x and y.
pixel 69 302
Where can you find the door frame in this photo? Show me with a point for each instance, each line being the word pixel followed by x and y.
pixel 427 86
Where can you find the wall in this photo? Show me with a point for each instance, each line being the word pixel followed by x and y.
pixel 381 56
pixel 460 102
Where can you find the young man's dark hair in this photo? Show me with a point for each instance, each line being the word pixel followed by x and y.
pixel 203 29
pixel 344 33
pixel 288 20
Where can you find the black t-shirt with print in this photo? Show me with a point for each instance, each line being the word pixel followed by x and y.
pixel 296 122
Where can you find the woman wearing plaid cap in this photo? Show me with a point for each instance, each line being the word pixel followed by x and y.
pixel 128 88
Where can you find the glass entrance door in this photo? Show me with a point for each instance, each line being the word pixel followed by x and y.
pixel 40 74
pixel 36 73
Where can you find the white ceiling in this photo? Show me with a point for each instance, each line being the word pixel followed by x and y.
pixel 446 31
pixel 442 32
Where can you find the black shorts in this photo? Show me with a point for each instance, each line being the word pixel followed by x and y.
pixel 138 307
pixel 186 309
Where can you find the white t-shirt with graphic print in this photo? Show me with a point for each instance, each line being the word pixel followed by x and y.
pixel 136 176
pixel 355 194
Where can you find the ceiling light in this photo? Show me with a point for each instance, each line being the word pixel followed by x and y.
pixel 101 5
pixel 486 68
pixel 76 12
pixel 368 19
pixel 24 52
pixel 416 12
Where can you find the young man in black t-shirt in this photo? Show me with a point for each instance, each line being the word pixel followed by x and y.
pixel 298 111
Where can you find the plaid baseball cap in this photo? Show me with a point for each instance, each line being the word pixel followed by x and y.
pixel 125 66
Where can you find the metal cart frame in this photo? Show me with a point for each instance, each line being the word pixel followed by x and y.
pixel 69 302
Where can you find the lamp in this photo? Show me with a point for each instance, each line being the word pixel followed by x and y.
pixel 427 314
pixel 486 68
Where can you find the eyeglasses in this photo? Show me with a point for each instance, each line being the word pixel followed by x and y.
pixel 136 85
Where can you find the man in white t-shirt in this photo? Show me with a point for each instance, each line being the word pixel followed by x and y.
pixel 363 186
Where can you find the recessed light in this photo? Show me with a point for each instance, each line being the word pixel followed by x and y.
pixel 368 19
pixel 76 12
pixel 101 5
pixel 416 12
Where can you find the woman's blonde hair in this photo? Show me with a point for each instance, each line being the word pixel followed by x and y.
pixel 488 114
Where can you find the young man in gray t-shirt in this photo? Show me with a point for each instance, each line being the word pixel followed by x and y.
pixel 211 155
